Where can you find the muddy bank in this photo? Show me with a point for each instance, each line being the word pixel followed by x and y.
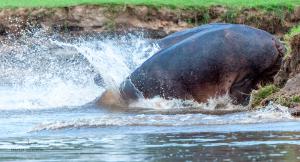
pixel 291 65
pixel 158 22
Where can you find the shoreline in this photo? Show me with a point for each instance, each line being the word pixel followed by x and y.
pixel 163 20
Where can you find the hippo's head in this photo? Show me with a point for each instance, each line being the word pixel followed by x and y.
pixel 265 68
pixel 268 74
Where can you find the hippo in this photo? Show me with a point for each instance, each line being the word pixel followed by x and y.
pixel 204 62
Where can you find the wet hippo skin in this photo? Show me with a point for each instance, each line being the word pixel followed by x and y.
pixel 207 61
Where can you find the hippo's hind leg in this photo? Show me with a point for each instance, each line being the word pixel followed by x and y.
pixel 129 92
pixel 240 91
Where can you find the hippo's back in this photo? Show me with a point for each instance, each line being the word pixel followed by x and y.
pixel 181 35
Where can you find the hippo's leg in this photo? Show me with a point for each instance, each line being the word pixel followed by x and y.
pixel 240 91
pixel 129 92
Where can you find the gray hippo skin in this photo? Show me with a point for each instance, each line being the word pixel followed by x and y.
pixel 207 61
pixel 181 35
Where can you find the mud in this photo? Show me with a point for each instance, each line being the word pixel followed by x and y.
pixel 158 22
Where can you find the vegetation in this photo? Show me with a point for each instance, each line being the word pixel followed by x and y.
pixel 296 99
pixel 266 93
pixel 287 101
pixel 294 31
pixel 262 93
pixel 266 4
pixel 287 38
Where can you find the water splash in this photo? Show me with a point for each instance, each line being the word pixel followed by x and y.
pixel 114 58
pixel 46 71
pixel 214 103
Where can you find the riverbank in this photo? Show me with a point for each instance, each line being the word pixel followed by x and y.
pixel 156 21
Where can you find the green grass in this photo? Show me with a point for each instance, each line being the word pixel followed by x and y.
pixel 267 92
pixel 267 4
pixel 288 36
pixel 287 101
pixel 294 31
pixel 296 99
pixel 262 93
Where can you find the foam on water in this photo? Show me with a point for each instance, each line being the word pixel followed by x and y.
pixel 272 113
pixel 220 102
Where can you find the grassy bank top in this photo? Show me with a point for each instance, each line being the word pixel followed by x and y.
pixel 294 31
pixel 267 4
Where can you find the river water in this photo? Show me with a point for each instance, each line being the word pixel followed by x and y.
pixel 47 89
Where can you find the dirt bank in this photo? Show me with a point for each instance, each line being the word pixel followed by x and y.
pixel 157 21
pixel 291 65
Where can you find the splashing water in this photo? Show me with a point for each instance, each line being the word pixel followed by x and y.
pixel 114 58
pixel 42 71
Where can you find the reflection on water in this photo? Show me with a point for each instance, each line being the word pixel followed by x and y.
pixel 238 146
pixel 235 141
